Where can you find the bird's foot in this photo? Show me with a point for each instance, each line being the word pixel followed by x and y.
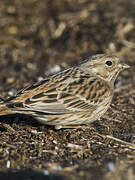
pixel 57 127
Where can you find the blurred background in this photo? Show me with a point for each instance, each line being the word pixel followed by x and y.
pixel 41 37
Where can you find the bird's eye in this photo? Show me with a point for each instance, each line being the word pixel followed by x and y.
pixel 108 63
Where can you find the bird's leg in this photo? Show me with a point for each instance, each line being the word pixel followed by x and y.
pixel 57 127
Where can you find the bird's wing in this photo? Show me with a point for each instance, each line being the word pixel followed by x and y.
pixel 54 104
pixel 54 101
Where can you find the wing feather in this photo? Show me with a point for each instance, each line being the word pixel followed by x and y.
pixel 57 98
pixel 56 103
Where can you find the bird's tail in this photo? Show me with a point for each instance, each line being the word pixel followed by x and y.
pixel 4 109
pixel 1 100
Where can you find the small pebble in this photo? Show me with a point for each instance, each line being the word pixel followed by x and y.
pixel 46 172
pixel 111 166
pixel 8 164
pixel 55 142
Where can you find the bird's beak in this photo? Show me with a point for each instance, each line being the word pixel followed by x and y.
pixel 123 66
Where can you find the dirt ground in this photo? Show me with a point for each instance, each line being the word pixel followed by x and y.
pixel 39 37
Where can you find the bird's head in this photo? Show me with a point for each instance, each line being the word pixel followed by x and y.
pixel 105 66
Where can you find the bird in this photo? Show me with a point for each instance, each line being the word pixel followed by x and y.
pixel 76 96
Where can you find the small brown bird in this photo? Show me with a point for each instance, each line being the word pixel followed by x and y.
pixel 78 95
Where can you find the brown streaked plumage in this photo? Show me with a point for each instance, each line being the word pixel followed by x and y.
pixel 78 95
